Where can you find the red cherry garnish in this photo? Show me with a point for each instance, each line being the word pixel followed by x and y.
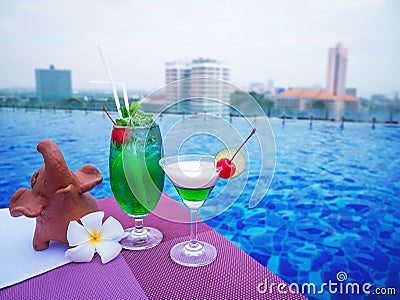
pixel 120 135
pixel 227 168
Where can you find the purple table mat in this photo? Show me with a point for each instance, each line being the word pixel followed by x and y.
pixel 152 273
pixel 80 281
pixel 233 275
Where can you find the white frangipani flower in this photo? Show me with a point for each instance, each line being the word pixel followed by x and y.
pixel 94 237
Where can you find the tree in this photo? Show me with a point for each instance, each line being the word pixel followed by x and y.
pixel 263 101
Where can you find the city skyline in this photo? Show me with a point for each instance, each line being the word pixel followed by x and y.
pixel 286 42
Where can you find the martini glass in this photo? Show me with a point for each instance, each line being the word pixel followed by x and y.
pixel 194 176
pixel 137 180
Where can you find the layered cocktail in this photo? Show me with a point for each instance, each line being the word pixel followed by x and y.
pixel 194 177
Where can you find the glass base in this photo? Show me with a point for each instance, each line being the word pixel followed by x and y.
pixel 147 238
pixel 193 255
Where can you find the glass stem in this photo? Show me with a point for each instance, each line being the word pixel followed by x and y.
pixel 139 228
pixel 193 227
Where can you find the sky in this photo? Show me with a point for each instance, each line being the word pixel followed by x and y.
pixel 285 41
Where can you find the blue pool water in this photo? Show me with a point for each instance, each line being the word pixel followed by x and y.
pixel 333 204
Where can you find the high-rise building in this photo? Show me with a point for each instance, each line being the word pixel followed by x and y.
pixel 52 84
pixel 177 70
pixel 209 68
pixel 337 67
pixel 201 89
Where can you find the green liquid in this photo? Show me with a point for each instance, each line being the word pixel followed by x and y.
pixel 194 194
pixel 137 179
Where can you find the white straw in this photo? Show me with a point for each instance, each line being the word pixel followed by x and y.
pixel 114 89
pixel 125 92
pixel 99 82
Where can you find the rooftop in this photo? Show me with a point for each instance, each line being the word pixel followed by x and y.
pixel 316 95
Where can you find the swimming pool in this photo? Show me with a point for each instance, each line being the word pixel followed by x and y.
pixel 333 204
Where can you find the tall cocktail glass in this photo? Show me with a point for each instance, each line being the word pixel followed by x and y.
pixel 137 180
pixel 194 177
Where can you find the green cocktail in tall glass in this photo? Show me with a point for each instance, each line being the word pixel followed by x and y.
pixel 137 179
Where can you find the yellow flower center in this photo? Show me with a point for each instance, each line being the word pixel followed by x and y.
pixel 95 237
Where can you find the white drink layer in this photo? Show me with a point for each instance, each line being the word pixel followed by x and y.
pixel 193 204
pixel 192 174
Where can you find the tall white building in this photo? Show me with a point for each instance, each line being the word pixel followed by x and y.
pixel 337 68
pixel 201 89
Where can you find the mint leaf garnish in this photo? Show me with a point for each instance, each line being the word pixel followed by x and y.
pixel 122 122
pixel 133 108
pixel 134 117
pixel 124 112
